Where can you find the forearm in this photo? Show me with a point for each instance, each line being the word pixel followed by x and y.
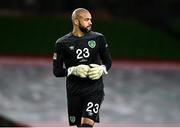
pixel 58 68
pixel 107 62
pixel 105 54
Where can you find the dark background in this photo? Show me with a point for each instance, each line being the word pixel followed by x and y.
pixel 135 29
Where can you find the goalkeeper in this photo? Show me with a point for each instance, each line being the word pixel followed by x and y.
pixel 83 57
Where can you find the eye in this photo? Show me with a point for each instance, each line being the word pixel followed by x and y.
pixel 86 19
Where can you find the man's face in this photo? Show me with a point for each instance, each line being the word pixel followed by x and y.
pixel 85 22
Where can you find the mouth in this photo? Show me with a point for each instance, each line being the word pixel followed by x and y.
pixel 88 27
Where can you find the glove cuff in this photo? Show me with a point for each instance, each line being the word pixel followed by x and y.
pixel 70 70
pixel 104 69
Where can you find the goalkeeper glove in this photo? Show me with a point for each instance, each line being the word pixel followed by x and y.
pixel 96 71
pixel 80 70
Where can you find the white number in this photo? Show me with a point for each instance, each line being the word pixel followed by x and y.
pixel 96 108
pixel 92 107
pixel 79 53
pixel 86 52
pixel 82 53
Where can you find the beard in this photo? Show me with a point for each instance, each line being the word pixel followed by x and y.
pixel 85 29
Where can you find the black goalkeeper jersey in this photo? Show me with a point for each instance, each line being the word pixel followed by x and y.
pixel 70 50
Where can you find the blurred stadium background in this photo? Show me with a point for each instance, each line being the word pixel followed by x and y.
pixel 143 86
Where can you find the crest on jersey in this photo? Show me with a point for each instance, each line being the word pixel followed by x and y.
pixel 72 119
pixel 92 43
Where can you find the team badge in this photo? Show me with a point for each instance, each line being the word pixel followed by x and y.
pixel 72 119
pixel 92 43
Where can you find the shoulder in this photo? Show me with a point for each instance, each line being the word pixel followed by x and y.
pixel 95 34
pixel 63 38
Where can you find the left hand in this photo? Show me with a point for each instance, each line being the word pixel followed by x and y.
pixel 96 71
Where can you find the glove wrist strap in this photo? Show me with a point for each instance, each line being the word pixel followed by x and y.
pixel 70 70
pixel 104 69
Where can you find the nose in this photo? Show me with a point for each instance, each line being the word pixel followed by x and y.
pixel 90 22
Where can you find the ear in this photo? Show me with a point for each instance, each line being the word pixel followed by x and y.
pixel 76 22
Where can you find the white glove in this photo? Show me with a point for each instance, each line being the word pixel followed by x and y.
pixel 80 70
pixel 96 71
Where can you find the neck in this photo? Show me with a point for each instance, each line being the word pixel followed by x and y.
pixel 77 32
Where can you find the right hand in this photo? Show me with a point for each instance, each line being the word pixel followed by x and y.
pixel 80 70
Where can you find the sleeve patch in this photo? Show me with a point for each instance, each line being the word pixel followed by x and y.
pixel 55 56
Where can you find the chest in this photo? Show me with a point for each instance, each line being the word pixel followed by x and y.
pixel 82 50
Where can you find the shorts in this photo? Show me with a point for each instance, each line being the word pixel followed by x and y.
pixel 87 106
